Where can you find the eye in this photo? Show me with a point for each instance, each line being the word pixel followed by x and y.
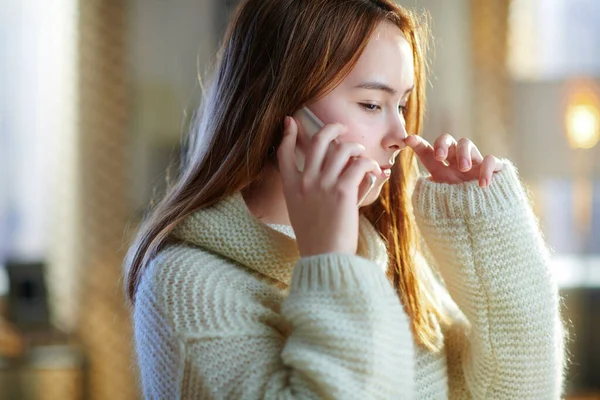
pixel 370 107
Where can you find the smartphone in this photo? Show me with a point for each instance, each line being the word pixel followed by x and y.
pixel 311 125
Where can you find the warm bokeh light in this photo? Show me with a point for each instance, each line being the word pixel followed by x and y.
pixel 583 126
pixel 583 120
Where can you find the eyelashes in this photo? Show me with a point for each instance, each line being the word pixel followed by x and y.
pixel 374 107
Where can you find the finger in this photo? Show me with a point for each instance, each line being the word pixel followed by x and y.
pixel 286 156
pixel 319 146
pixel 338 159
pixel 441 146
pixel 463 154
pixel 489 165
pixel 423 150
pixel 353 175
pixel 476 157
pixel 452 151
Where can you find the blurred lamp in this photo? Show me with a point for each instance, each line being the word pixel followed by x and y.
pixel 583 119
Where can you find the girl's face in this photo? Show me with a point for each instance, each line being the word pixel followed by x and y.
pixel 370 100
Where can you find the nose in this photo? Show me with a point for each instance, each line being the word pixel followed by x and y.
pixel 396 133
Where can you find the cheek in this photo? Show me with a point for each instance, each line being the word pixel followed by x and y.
pixel 359 129
pixel 362 128
pixel 362 133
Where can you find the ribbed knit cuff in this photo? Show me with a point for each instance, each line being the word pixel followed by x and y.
pixel 338 271
pixel 433 200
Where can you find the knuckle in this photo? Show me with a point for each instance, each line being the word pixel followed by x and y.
pixel 320 138
pixel 343 191
pixel 305 183
pixel 322 185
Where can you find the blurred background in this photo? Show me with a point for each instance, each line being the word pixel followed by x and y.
pixel 94 99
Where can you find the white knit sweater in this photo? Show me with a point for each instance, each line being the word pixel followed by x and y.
pixel 232 312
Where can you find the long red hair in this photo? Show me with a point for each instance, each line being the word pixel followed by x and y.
pixel 276 56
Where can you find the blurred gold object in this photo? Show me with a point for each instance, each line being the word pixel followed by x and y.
pixel 582 129
pixel 12 343
pixel 582 117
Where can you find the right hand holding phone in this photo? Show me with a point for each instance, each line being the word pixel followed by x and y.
pixel 321 199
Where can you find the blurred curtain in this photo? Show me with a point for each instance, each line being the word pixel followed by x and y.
pixel 492 86
pixel 104 197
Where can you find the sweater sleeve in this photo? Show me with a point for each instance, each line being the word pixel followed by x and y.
pixel 203 332
pixel 495 264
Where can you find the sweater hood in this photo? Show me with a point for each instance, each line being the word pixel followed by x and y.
pixel 231 231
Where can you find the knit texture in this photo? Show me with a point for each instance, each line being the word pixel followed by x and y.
pixel 233 312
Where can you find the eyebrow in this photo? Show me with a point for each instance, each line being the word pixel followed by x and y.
pixel 381 86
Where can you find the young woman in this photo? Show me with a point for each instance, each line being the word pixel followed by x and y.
pixel 252 279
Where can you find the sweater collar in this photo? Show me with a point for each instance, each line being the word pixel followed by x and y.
pixel 230 230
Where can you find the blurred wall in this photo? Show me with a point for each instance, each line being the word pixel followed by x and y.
pixel 540 131
pixel 171 46
pixel 449 95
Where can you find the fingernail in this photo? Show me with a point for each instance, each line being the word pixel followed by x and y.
pixel 440 153
pixel 482 182
pixel 464 164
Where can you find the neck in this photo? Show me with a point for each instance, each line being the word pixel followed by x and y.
pixel 265 199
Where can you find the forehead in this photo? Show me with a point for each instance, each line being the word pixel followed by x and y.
pixel 387 57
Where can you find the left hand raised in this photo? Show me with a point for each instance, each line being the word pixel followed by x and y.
pixel 449 161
